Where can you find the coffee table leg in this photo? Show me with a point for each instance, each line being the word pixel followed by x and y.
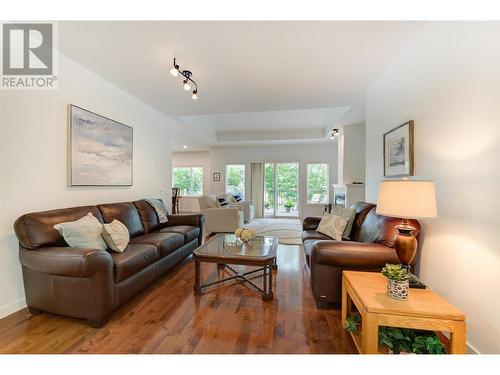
pixel 220 268
pixel 197 281
pixel 271 282
pixel 268 284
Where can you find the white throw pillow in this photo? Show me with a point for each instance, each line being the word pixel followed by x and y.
pixel 85 232
pixel 207 201
pixel 332 225
pixel 349 214
pixel 116 235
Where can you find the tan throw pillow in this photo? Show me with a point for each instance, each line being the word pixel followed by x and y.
pixel 85 232
pixel 349 214
pixel 116 235
pixel 332 226
pixel 229 197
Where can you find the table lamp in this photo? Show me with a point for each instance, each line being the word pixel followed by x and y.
pixel 407 199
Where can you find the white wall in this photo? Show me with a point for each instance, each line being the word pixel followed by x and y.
pixel 301 153
pixel 448 82
pixel 193 159
pixel 354 153
pixel 33 156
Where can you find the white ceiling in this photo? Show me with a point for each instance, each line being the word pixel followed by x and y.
pixel 244 69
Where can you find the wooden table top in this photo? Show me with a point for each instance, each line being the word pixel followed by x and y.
pixel 371 290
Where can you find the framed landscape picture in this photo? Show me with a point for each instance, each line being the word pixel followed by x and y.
pixel 398 151
pixel 100 150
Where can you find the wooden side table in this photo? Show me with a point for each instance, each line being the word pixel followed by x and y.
pixel 423 310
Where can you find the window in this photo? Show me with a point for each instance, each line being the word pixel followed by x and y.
pixel 189 180
pixel 235 179
pixel 317 183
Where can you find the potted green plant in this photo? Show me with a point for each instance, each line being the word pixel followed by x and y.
pixel 397 281
pixel 352 323
pixel 395 340
pixel 289 204
pixel 404 340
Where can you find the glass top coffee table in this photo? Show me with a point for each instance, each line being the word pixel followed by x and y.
pixel 226 250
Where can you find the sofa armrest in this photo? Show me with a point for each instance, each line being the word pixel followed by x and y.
pixel 67 261
pixel 195 220
pixel 238 205
pixel 347 254
pixel 310 223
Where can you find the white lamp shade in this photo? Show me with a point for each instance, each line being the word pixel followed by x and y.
pixel 407 199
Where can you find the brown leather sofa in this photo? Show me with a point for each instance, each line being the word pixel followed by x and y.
pixel 90 283
pixel 370 248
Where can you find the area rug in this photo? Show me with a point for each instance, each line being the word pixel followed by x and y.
pixel 288 231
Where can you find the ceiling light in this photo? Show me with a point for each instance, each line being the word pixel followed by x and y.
pixel 184 147
pixel 334 133
pixel 188 83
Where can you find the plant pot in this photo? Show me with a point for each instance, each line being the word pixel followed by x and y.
pixel 288 209
pixel 398 289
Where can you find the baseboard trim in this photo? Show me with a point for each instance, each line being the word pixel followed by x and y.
pixel 471 349
pixel 12 308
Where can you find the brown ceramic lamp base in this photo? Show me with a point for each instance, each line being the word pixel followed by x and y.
pixel 406 248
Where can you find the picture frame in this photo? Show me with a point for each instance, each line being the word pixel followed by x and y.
pixel 100 150
pixel 216 176
pixel 399 151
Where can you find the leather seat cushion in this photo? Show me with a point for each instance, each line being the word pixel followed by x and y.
pixel 165 242
pixel 189 232
pixel 134 259
pixel 313 235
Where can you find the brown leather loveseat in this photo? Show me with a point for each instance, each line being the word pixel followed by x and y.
pixel 370 247
pixel 90 283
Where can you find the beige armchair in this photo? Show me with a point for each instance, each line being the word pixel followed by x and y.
pixel 220 219
pixel 245 206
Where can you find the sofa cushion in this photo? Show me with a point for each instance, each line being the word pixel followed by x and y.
pixel 165 242
pixel 313 235
pixel 362 209
pixel 148 216
pixel 189 232
pixel 36 229
pixel 124 212
pixel 135 258
pixel 378 229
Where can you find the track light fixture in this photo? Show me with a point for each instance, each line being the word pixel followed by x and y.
pixel 334 133
pixel 186 74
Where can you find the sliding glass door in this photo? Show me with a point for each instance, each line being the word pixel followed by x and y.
pixel 281 189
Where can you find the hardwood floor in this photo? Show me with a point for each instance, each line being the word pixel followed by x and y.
pixel 168 318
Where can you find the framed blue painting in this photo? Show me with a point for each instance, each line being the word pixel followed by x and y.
pixel 100 150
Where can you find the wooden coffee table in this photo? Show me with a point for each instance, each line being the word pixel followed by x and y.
pixel 259 252
pixel 424 310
